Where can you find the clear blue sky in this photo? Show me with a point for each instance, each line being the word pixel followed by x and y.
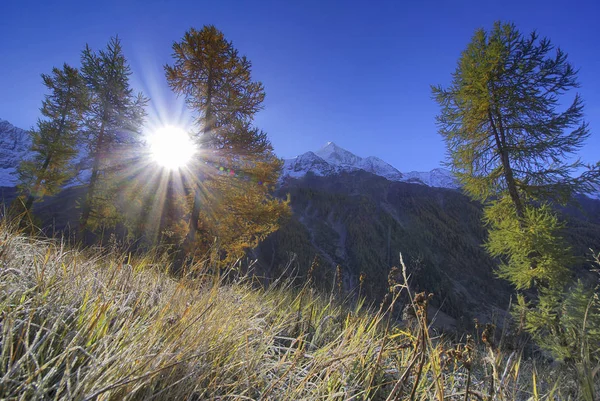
pixel 356 73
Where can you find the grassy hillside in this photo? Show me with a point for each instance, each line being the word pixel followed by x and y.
pixel 81 325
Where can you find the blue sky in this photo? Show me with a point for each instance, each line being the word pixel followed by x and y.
pixel 353 72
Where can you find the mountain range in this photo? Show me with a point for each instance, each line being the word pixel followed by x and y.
pixel 332 159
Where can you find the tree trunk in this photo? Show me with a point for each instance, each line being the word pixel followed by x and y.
pixel 508 173
pixel 87 208
pixel 208 125
pixel 36 187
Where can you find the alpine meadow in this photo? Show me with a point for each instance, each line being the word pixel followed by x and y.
pixel 158 241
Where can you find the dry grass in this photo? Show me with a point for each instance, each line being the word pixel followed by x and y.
pixel 82 326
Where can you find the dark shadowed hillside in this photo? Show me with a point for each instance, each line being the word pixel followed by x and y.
pixel 363 222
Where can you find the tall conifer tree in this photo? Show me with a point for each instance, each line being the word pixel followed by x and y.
pixel 513 145
pixel 114 121
pixel 217 85
pixel 54 142
pixel 509 140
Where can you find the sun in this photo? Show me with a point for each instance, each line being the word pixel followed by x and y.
pixel 171 147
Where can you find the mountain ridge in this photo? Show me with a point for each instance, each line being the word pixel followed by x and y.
pixel 332 159
pixel 15 145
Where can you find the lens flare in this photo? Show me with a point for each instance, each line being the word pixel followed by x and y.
pixel 171 147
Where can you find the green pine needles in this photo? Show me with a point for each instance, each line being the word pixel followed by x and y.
pixel 114 122
pixel 513 145
pixel 531 249
pixel 55 139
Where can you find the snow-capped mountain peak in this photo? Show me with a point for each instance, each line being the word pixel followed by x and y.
pixel 333 159
pixel 338 156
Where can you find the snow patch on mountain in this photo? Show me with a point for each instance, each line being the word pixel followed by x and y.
pixel 438 177
pixel 377 166
pixel 309 161
pixel 596 194
pixel 15 144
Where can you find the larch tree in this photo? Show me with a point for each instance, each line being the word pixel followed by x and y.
pixel 114 122
pixel 236 168
pixel 502 121
pixel 55 140
pixel 512 144
pixel 238 209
